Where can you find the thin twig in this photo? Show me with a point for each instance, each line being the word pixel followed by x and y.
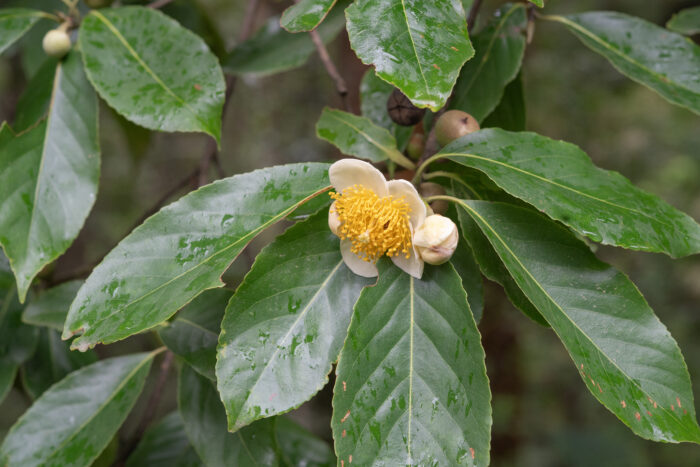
pixel 473 13
pixel 340 84
pixel 158 3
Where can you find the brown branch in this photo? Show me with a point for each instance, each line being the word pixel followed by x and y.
pixel 340 84
pixel 473 13
pixel 158 3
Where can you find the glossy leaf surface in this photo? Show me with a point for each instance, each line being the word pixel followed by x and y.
pixel 165 445
pixel 51 306
pixel 286 323
pixel 559 179
pixel 499 50
pixel 14 22
pixel 411 386
pixel 273 50
pixel 305 15
pixel 686 21
pixel 417 46
pixel 626 357
pixel 73 421
pixel 662 60
pixel 194 332
pixel 152 70
pixel 183 250
pixel 205 425
pixel 49 176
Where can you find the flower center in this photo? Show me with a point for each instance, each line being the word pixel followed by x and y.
pixel 375 225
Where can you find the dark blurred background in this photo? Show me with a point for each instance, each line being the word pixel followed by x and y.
pixel 543 415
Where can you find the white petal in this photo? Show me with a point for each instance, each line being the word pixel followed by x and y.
pixel 355 263
pixel 412 265
pixel 349 172
pixel 333 219
pixel 399 188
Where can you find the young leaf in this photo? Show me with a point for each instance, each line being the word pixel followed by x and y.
pixel 165 445
pixel 306 15
pixel 418 47
pixel 152 70
pixel 49 176
pixel 51 362
pixel 298 447
pixel 686 22
pixel 499 50
pixel 510 113
pixel 73 421
pixel 183 250
pixel 14 22
pixel 51 306
pixel 626 357
pixel 664 61
pixel 559 179
pixel 273 50
pixel 286 323
pixel 411 386
pixel 358 136
pixel 374 94
pixel 194 332
pixel 205 425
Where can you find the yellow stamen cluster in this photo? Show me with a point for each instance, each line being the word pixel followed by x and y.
pixel 375 225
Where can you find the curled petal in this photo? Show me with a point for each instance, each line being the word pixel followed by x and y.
pixel 348 172
pixel 355 263
pixel 399 188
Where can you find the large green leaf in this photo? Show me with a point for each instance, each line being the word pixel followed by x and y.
pixel 51 362
pixel 51 306
pixel 686 21
pixel 305 15
pixel 194 332
pixel 626 357
pixel 359 136
pixel 417 46
pixel 273 50
pixel 411 386
pixel 165 445
pixel 73 421
pixel 285 324
pixel 662 60
pixel 183 250
pixel 298 447
pixel 499 50
pixel 49 176
pixel 152 70
pixel 374 94
pixel 14 22
pixel 510 113
pixel 205 424
pixel 559 179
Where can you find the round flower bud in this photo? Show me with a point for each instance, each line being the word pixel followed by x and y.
pixel 436 239
pixel 56 43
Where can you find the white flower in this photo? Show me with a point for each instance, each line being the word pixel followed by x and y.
pixel 436 239
pixel 374 217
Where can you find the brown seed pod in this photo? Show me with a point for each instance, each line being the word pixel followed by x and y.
pixel 402 111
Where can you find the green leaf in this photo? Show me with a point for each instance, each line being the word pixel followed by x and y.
pixel 466 266
pixel 305 15
pixel 51 306
pixel 374 94
pixel 273 50
pixel 165 445
pixel 411 386
pixel 14 22
pixel 205 424
pixel 664 61
pixel 284 329
pixel 358 136
pixel 51 362
pixel 418 47
pixel 499 50
pixel 539 3
pixel 194 332
pixel 8 371
pixel 152 70
pixel 510 112
pixel 49 176
pixel 17 340
pixel 559 179
pixel 686 22
pixel 626 357
pixel 73 421
pixel 298 447
pixel 34 102
pixel 183 250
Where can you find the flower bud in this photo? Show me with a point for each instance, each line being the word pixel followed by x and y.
pixel 56 43
pixel 436 239
pixel 333 219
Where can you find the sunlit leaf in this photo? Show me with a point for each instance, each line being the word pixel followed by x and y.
pixel 306 15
